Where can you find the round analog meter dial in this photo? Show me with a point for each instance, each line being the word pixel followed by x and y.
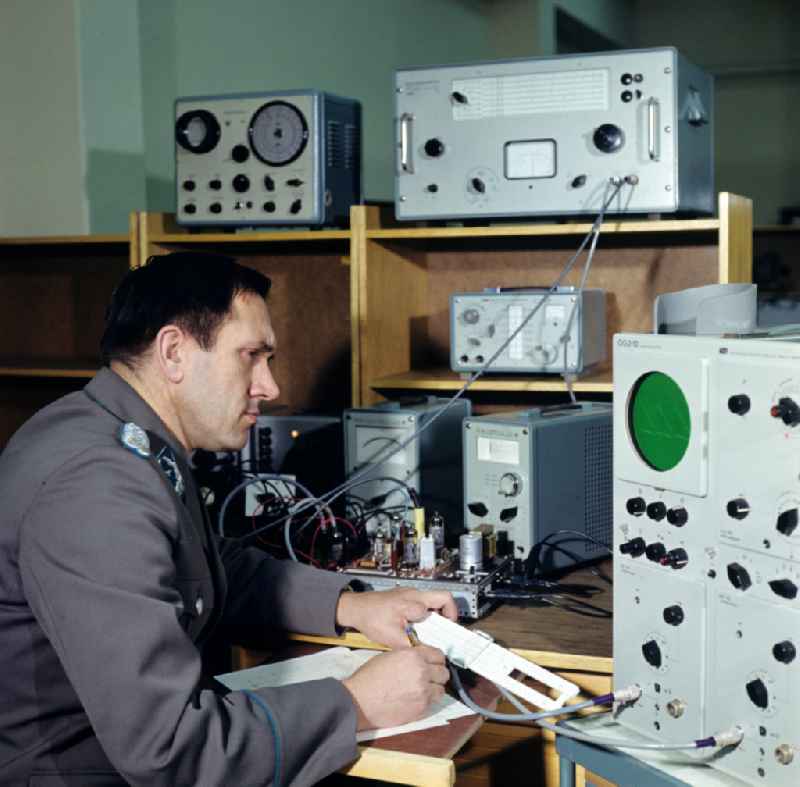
pixel 278 133
pixel 197 131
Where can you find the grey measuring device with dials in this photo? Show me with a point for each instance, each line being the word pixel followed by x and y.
pixel 273 158
pixel 567 333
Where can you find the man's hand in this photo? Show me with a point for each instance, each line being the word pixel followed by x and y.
pixel 397 688
pixel 384 615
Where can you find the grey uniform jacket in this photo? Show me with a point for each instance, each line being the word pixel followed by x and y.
pixel 109 584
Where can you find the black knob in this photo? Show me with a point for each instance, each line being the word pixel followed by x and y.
pixel 652 653
pixel 294 182
pixel 240 153
pixel 269 207
pixel 434 147
pixel 608 138
pixel 241 183
pixel 739 576
pixel 655 551
pixel 215 184
pixel 269 183
pixel 758 693
pixel 673 615
pixel 787 410
pixel 578 181
pixel 190 208
pixel 507 514
pixel 677 516
pixel 296 206
pixel 738 508
pixel 626 79
pixel 215 207
pixel 459 98
pixel 635 547
pixel 478 185
pixel 479 509
pixel 787 521
pixel 197 122
pixel 432 187
pixel 636 506
pixel 739 404
pixel 784 652
pixel 657 511
pixel 675 558
pixel 188 185
pixel 626 96
pixel 784 588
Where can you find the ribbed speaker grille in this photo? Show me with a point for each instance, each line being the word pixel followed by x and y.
pixel 335 145
pixel 598 472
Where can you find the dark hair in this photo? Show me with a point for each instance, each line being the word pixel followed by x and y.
pixel 193 290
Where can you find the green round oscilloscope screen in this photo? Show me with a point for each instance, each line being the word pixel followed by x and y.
pixel 658 420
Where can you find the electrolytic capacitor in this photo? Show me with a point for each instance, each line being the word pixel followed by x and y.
pixel 470 552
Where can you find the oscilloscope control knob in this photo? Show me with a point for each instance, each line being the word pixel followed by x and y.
pixel 510 484
pixel 785 651
pixel 652 653
pixel 240 153
pixel 636 506
pixel 608 138
pixel 477 185
pixel 738 508
pixel 434 147
pixel 470 316
pixel 657 510
pixel 673 616
pixel 787 410
pixel 784 588
pixel 655 551
pixel 739 404
pixel 787 522
pixel 675 558
pixel 757 692
pixel 635 547
pixel 241 183
pixel 739 576
pixel 677 516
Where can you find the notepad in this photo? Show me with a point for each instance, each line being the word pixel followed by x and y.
pixel 339 663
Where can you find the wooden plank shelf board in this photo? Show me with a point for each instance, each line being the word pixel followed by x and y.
pixel 49 369
pixel 66 240
pixel 243 238
pixel 446 380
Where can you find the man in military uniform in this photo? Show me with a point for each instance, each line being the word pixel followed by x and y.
pixel 111 580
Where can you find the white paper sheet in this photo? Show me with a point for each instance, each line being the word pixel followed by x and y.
pixel 339 663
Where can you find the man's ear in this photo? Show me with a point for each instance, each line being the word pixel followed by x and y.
pixel 170 348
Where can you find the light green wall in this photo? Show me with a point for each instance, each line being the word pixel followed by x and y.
pixel 41 151
pixel 751 48
pixel 110 73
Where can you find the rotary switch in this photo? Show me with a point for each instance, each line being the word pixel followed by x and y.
pixel 510 484
pixel 787 522
pixel 739 576
pixel 784 588
pixel 434 147
pixel 673 615
pixel 652 653
pixel 758 693
pixel 785 652
pixel 675 558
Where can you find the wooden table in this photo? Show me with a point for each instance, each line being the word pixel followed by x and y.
pixel 491 755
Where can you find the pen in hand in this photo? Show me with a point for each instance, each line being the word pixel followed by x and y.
pixel 412 636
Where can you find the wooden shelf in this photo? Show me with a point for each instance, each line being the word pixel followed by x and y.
pixel 66 240
pixel 598 381
pixel 48 368
pixel 273 236
pixel 533 230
